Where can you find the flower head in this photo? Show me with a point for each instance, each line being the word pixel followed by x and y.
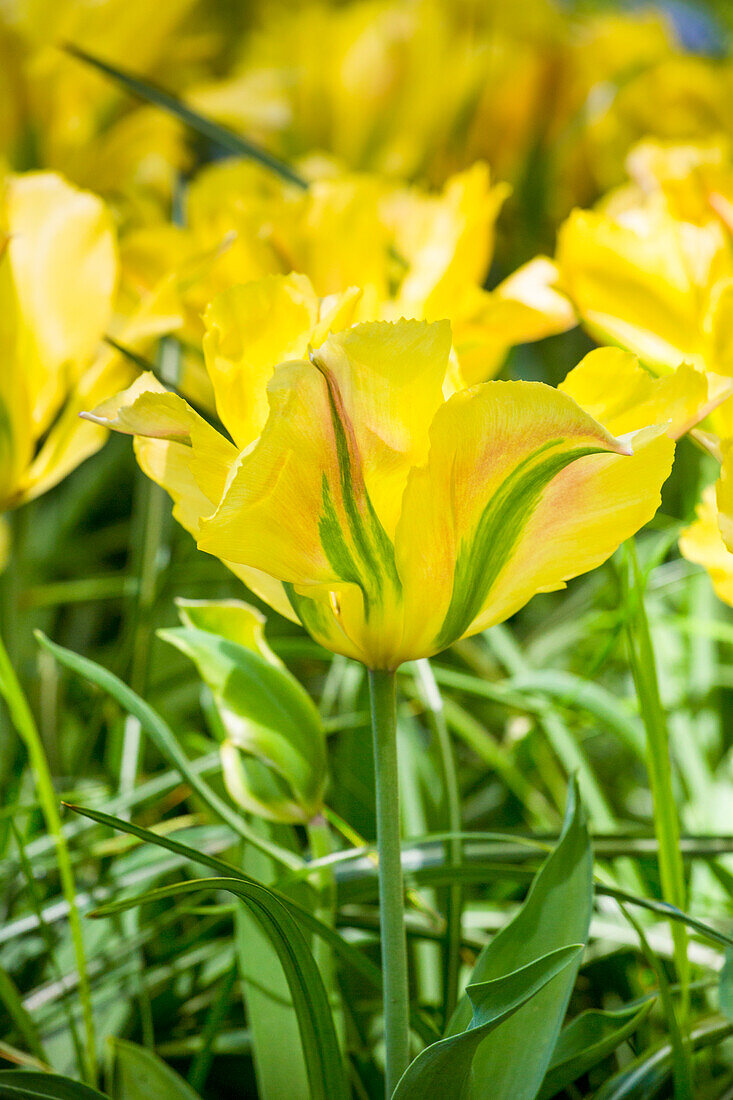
pixel 58 271
pixel 391 520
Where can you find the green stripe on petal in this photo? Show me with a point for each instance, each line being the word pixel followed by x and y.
pixel 482 556
pixel 370 561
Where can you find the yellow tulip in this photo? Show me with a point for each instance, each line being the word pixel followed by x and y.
pixel 392 521
pixel 702 543
pixel 412 252
pixel 59 114
pixel 58 273
pixel 659 286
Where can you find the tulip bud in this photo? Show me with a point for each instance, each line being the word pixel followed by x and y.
pixel 274 753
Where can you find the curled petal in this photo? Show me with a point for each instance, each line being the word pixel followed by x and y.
pixel 613 387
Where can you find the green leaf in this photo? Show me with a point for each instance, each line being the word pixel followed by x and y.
pixel 269 717
pixel 208 128
pixel 556 914
pixel 276 1051
pixel 139 1074
pixel 344 950
pixel 443 1069
pixel 645 1076
pixel 22 1020
pixel 165 741
pixel 725 986
pixel 317 1033
pixel 31 1085
pixel 589 1039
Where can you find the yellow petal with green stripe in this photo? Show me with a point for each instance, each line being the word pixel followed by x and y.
pixel 389 379
pixel 495 451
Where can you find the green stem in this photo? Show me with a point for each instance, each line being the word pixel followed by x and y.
pixel 659 764
pixel 454 901
pixel 23 721
pixel 391 892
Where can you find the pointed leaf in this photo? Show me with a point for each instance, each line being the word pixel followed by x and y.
pixel 589 1039
pixel 318 1036
pixel 556 913
pixel 443 1068
pixel 209 129
pixel 139 1074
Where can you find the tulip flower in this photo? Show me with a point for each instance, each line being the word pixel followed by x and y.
pixel 363 489
pixel 411 251
pixel 58 272
pixel 656 285
pixel 391 520
pixel 417 89
pixel 708 541
pixel 702 543
pixel 56 113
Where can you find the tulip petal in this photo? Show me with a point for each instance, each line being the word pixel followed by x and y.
pixel 587 511
pixel 180 451
pixel 296 504
pixel 175 446
pixel 613 387
pixel 249 330
pixel 642 284
pixel 526 306
pixel 702 543
pixel 496 451
pixel 64 263
pixel 389 378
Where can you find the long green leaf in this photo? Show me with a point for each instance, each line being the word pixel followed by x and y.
pixel 348 953
pixel 320 1046
pixel 22 1020
pixel 19 1084
pixel 443 1069
pixel 511 1063
pixel 22 718
pixel 166 743
pixel 213 131
pixel 646 1075
pixel 586 1041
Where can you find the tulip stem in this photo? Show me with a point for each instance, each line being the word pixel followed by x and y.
pixel 391 891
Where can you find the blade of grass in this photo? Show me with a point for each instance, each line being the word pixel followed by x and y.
pixel 25 725
pixel 167 745
pixel 22 1021
pixel 573 761
pixel 659 764
pixel 48 940
pixel 201 1064
pixel 681 1059
pixel 212 131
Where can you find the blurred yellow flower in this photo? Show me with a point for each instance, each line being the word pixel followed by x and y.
pixel 57 113
pixel 390 521
pixel 412 252
pixel 658 285
pixel 418 89
pixel 58 272
pixel 702 543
